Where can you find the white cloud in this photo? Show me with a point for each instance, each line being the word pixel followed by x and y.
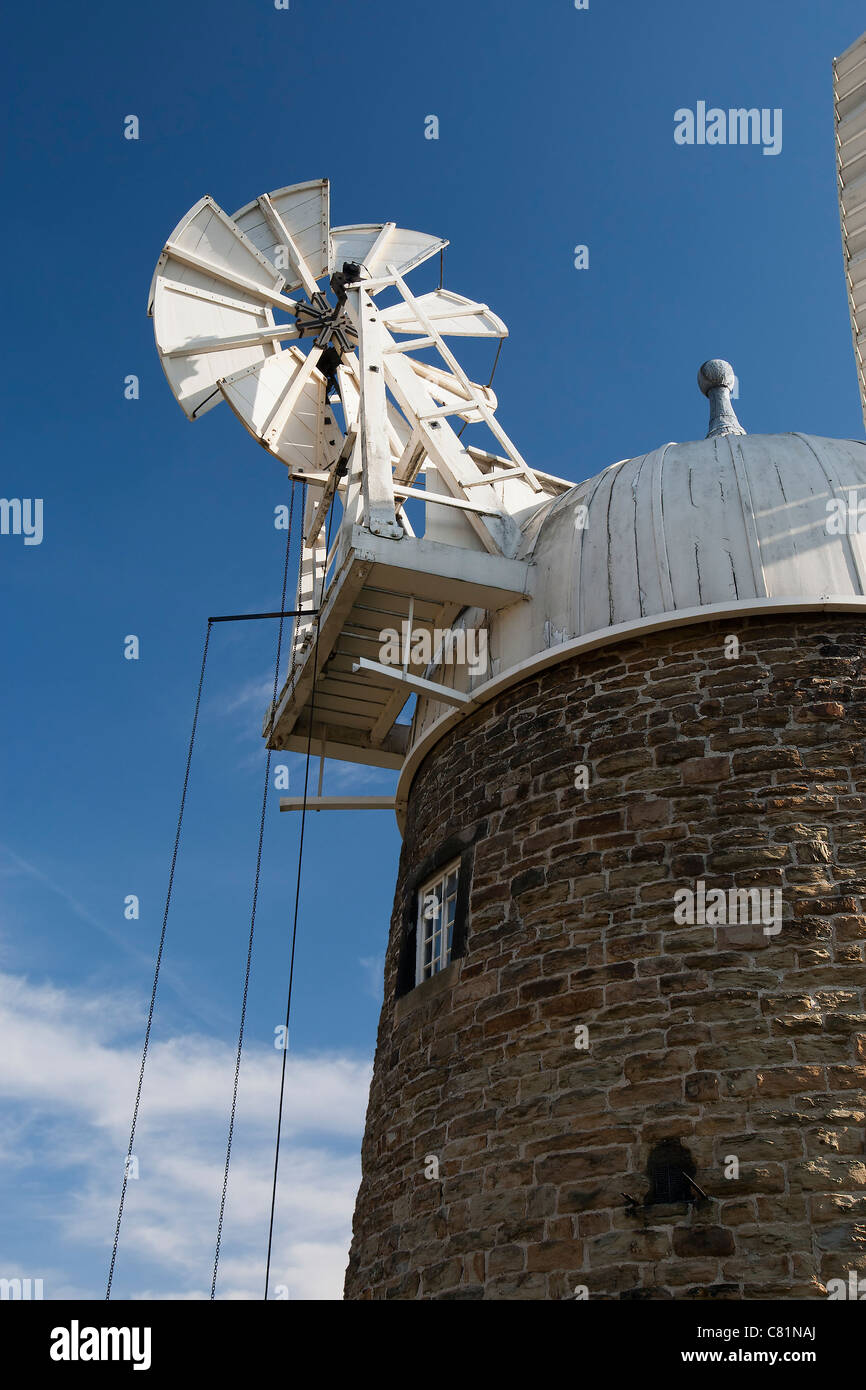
pixel 66 1091
pixel 373 968
pixel 252 693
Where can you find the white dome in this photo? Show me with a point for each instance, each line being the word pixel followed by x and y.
pixel 727 520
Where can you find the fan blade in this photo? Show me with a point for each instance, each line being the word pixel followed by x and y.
pixel 211 284
pixel 849 82
pixel 294 218
pixel 371 244
pixel 283 403
pixel 452 315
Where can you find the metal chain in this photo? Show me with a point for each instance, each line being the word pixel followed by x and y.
pixel 297 900
pixel 253 912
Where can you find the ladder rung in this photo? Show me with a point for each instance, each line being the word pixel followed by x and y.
pixel 444 410
pixel 497 477
pixel 411 345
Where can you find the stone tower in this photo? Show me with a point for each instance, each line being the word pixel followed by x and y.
pixel 622 1050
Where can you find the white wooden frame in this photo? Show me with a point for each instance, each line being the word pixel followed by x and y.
pixel 442 955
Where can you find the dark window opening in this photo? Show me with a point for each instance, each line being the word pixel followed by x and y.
pixel 669 1168
pixel 456 853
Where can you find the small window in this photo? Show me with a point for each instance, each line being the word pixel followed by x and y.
pixel 670 1169
pixel 434 907
pixel 437 907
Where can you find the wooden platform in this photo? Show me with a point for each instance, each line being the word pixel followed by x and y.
pixel 380 584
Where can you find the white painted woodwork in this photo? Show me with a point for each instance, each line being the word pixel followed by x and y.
pixel 498 476
pixel 311 572
pixel 212 285
pixel 290 252
pixel 250 337
pixel 443 499
pixel 447 355
pixel 363 243
pixel 446 524
pixel 498 533
pixel 282 402
pixel 453 315
pixel 448 387
pixel 441 693
pixel 377 476
pixel 303 210
pixel 181 318
pixel 552 483
pixel 330 487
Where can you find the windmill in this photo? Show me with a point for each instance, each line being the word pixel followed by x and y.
pixel 276 313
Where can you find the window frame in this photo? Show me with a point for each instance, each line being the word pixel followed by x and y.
pixel 457 846
pixel 446 930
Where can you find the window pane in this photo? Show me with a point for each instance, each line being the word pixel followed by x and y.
pixel 437 910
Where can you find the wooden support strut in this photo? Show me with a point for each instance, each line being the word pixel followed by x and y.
pixel 331 487
pixel 281 231
pixel 338 803
pixel 498 531
pixel 230 277
pixel 416 683
pixel 480 404
pixel 377 480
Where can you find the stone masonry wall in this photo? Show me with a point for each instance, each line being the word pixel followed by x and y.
pixel 740 772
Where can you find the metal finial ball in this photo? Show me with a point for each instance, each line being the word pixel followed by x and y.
pixel 714 373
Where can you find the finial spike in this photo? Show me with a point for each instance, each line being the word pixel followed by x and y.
pixel 716 379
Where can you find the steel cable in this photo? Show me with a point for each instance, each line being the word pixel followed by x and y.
pixel 157 969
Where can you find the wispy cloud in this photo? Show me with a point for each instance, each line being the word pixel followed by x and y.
pixel 13 865
pixel 66 1091
pixel 257 692
pixel 373 968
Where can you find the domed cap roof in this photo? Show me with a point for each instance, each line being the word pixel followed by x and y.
pixel 728 520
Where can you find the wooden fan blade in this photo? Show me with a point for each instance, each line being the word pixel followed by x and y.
pixel 282 401
pixel 291 227
pixel 372 244
pixel 452 315
pixel 212 285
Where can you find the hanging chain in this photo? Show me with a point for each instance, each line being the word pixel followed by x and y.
pixel 318 606
pixel 252 914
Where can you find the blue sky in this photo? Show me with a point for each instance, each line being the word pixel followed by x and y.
pixel 556 129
